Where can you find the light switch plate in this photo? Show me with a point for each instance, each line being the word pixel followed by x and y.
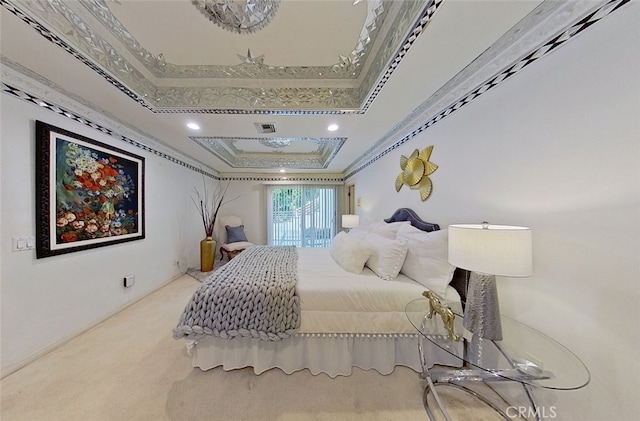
pixel 23 243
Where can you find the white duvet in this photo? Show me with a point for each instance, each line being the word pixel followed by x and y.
pixel 335 301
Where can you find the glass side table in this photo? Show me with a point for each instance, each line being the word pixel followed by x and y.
pixel 524 356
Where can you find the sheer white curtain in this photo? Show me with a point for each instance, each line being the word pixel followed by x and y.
pixel 301 215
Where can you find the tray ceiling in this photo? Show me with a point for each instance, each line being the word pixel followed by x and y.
pixel 170 58
pixel 378 69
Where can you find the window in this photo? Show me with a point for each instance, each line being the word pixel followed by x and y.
pixel 301 215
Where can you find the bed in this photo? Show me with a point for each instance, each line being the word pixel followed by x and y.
pixel 345 311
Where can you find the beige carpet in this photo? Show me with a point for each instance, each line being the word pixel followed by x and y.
pixel 129 368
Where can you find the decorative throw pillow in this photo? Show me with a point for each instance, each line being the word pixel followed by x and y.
pixel 349 253
pixel 427 258
pixel 388 230
pixel 235 234
pixel 358 233
pixel 388 256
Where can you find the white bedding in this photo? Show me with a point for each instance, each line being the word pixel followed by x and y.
pixel 347 320
pixel 333 300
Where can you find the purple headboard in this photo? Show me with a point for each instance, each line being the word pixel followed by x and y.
pixel 460 280
pixel 406 214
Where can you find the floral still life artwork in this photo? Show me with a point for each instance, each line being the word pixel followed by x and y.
pixel 89 194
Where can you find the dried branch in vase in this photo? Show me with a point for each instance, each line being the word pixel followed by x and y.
pixel 208 204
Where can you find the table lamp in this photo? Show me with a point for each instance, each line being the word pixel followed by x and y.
pixel 350 221
pixel 488 250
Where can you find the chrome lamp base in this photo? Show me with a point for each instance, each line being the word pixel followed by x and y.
pixel 482 311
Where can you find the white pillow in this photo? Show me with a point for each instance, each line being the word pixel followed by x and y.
pixel 358 233
pixel 388 230
pixel 387 257
pixel 349 253
pixel 427 258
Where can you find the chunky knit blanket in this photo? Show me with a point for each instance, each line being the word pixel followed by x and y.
pixel 252 296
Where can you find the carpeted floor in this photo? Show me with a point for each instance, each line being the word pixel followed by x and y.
pixel 130 368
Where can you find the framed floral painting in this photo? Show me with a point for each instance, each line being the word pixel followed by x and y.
pixel 88 194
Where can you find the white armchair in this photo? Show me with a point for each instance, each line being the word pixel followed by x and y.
pixel 235 240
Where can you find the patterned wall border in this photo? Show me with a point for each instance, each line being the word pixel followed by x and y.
pixel 46 33
pixel 27 97
pixel 285 178
pixel 551 45
pixel 421 24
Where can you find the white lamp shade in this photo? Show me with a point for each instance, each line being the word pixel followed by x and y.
pixel 491 249
pixel 350 221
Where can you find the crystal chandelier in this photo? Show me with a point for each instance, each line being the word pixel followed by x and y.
pixel 239 16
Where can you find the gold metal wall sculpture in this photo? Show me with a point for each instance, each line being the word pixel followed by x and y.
pixel 416 171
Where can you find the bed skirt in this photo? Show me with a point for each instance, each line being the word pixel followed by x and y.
pixel 332 354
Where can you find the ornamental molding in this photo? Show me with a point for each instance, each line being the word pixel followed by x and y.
pixel 23 94
pixel 227 150
pixel 343 69
pixel 548 27
pixel 27 97
pixel 545 29
pixel 22 83
pixel 355 77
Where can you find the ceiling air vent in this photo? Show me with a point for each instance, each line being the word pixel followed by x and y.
pixel 265 127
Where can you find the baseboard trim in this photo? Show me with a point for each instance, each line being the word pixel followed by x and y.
pixel 46 350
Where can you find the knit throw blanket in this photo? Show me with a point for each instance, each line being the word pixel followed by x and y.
pixel 252 296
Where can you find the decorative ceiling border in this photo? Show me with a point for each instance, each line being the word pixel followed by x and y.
pixel 423 20
pixel 46 33
pixel 19 77
pixel 557 40
pixel 220 145
pixel 50 106
pixel 348 67
pixel 288 179
pixel 282 101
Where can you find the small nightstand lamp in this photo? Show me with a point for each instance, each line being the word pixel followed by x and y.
pixel 350 221
pixel 488 250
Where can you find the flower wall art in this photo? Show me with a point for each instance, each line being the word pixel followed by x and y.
pixel 88 194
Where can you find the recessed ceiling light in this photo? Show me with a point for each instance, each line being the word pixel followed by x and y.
pixel 283 170
pixel 193 126
pixel 332 127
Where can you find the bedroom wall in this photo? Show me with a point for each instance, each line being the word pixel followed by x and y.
pixel 46 301
pixel 247 200
pixel 555 148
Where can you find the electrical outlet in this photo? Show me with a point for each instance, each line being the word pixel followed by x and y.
pixel 181 264
pixel 129 280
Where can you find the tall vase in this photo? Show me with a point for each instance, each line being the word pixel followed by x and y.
pixel 207 254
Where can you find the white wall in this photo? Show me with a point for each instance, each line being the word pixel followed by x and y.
pixel 45 301
pixel 248 201
pixel 555 148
